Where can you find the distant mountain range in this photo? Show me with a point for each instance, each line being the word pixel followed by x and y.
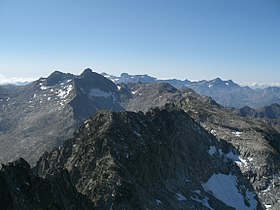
pixel 226 93
pixel 41 115
pixel 134 146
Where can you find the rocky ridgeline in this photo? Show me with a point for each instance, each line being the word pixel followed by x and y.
pixel 158 160
pixel 21 189
pixel 226 92
pixel 255 140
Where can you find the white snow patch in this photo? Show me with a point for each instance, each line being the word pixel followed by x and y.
pixel 180 197
pixel 226 83
pixel 267 206
pixel 213 132
pixel 115 80
pixel 134 92
pixel 210 85
pixel 63 93
pixel 49 98
pixel 99 93
pixel 119 87
pixel 238 159
pixel 237 133
pixel 224 188
pixel 34 96
pixel 44 87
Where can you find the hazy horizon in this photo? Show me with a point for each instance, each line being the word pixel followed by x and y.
pixel 22 80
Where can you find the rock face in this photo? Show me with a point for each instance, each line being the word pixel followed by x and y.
pixel 268 114
pixel 256 141
pixel 158 160
pixel 21 189
pixel 143 96
pixel 41 115
pixel 226 93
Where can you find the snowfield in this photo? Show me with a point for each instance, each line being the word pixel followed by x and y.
pixel 223 187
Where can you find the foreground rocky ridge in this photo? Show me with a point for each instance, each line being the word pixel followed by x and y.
pixel 21 189
pixel 254 134
pixel 157 160
pixel 257 142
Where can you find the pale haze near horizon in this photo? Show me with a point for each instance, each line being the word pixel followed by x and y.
pixel 182 39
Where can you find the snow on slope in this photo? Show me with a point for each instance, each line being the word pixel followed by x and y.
pixel 223 187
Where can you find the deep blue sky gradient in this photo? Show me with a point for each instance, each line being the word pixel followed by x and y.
pixel 193 39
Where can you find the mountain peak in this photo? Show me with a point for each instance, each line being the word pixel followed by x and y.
pixel 218 79
pixel 87 71
pixel 57 77
pixel 125 75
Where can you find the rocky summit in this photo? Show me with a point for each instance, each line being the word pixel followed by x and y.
pixel 39 116
pixel 158 160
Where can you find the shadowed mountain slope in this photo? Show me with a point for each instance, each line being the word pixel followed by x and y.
pixel 158 160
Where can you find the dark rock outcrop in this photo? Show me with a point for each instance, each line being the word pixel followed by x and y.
pixel 158 160
pixel 257 142
pixel 21 189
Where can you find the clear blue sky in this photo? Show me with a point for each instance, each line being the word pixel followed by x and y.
pixel 193 39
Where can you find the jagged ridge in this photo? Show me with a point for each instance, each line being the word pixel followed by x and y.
pixel 156 160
